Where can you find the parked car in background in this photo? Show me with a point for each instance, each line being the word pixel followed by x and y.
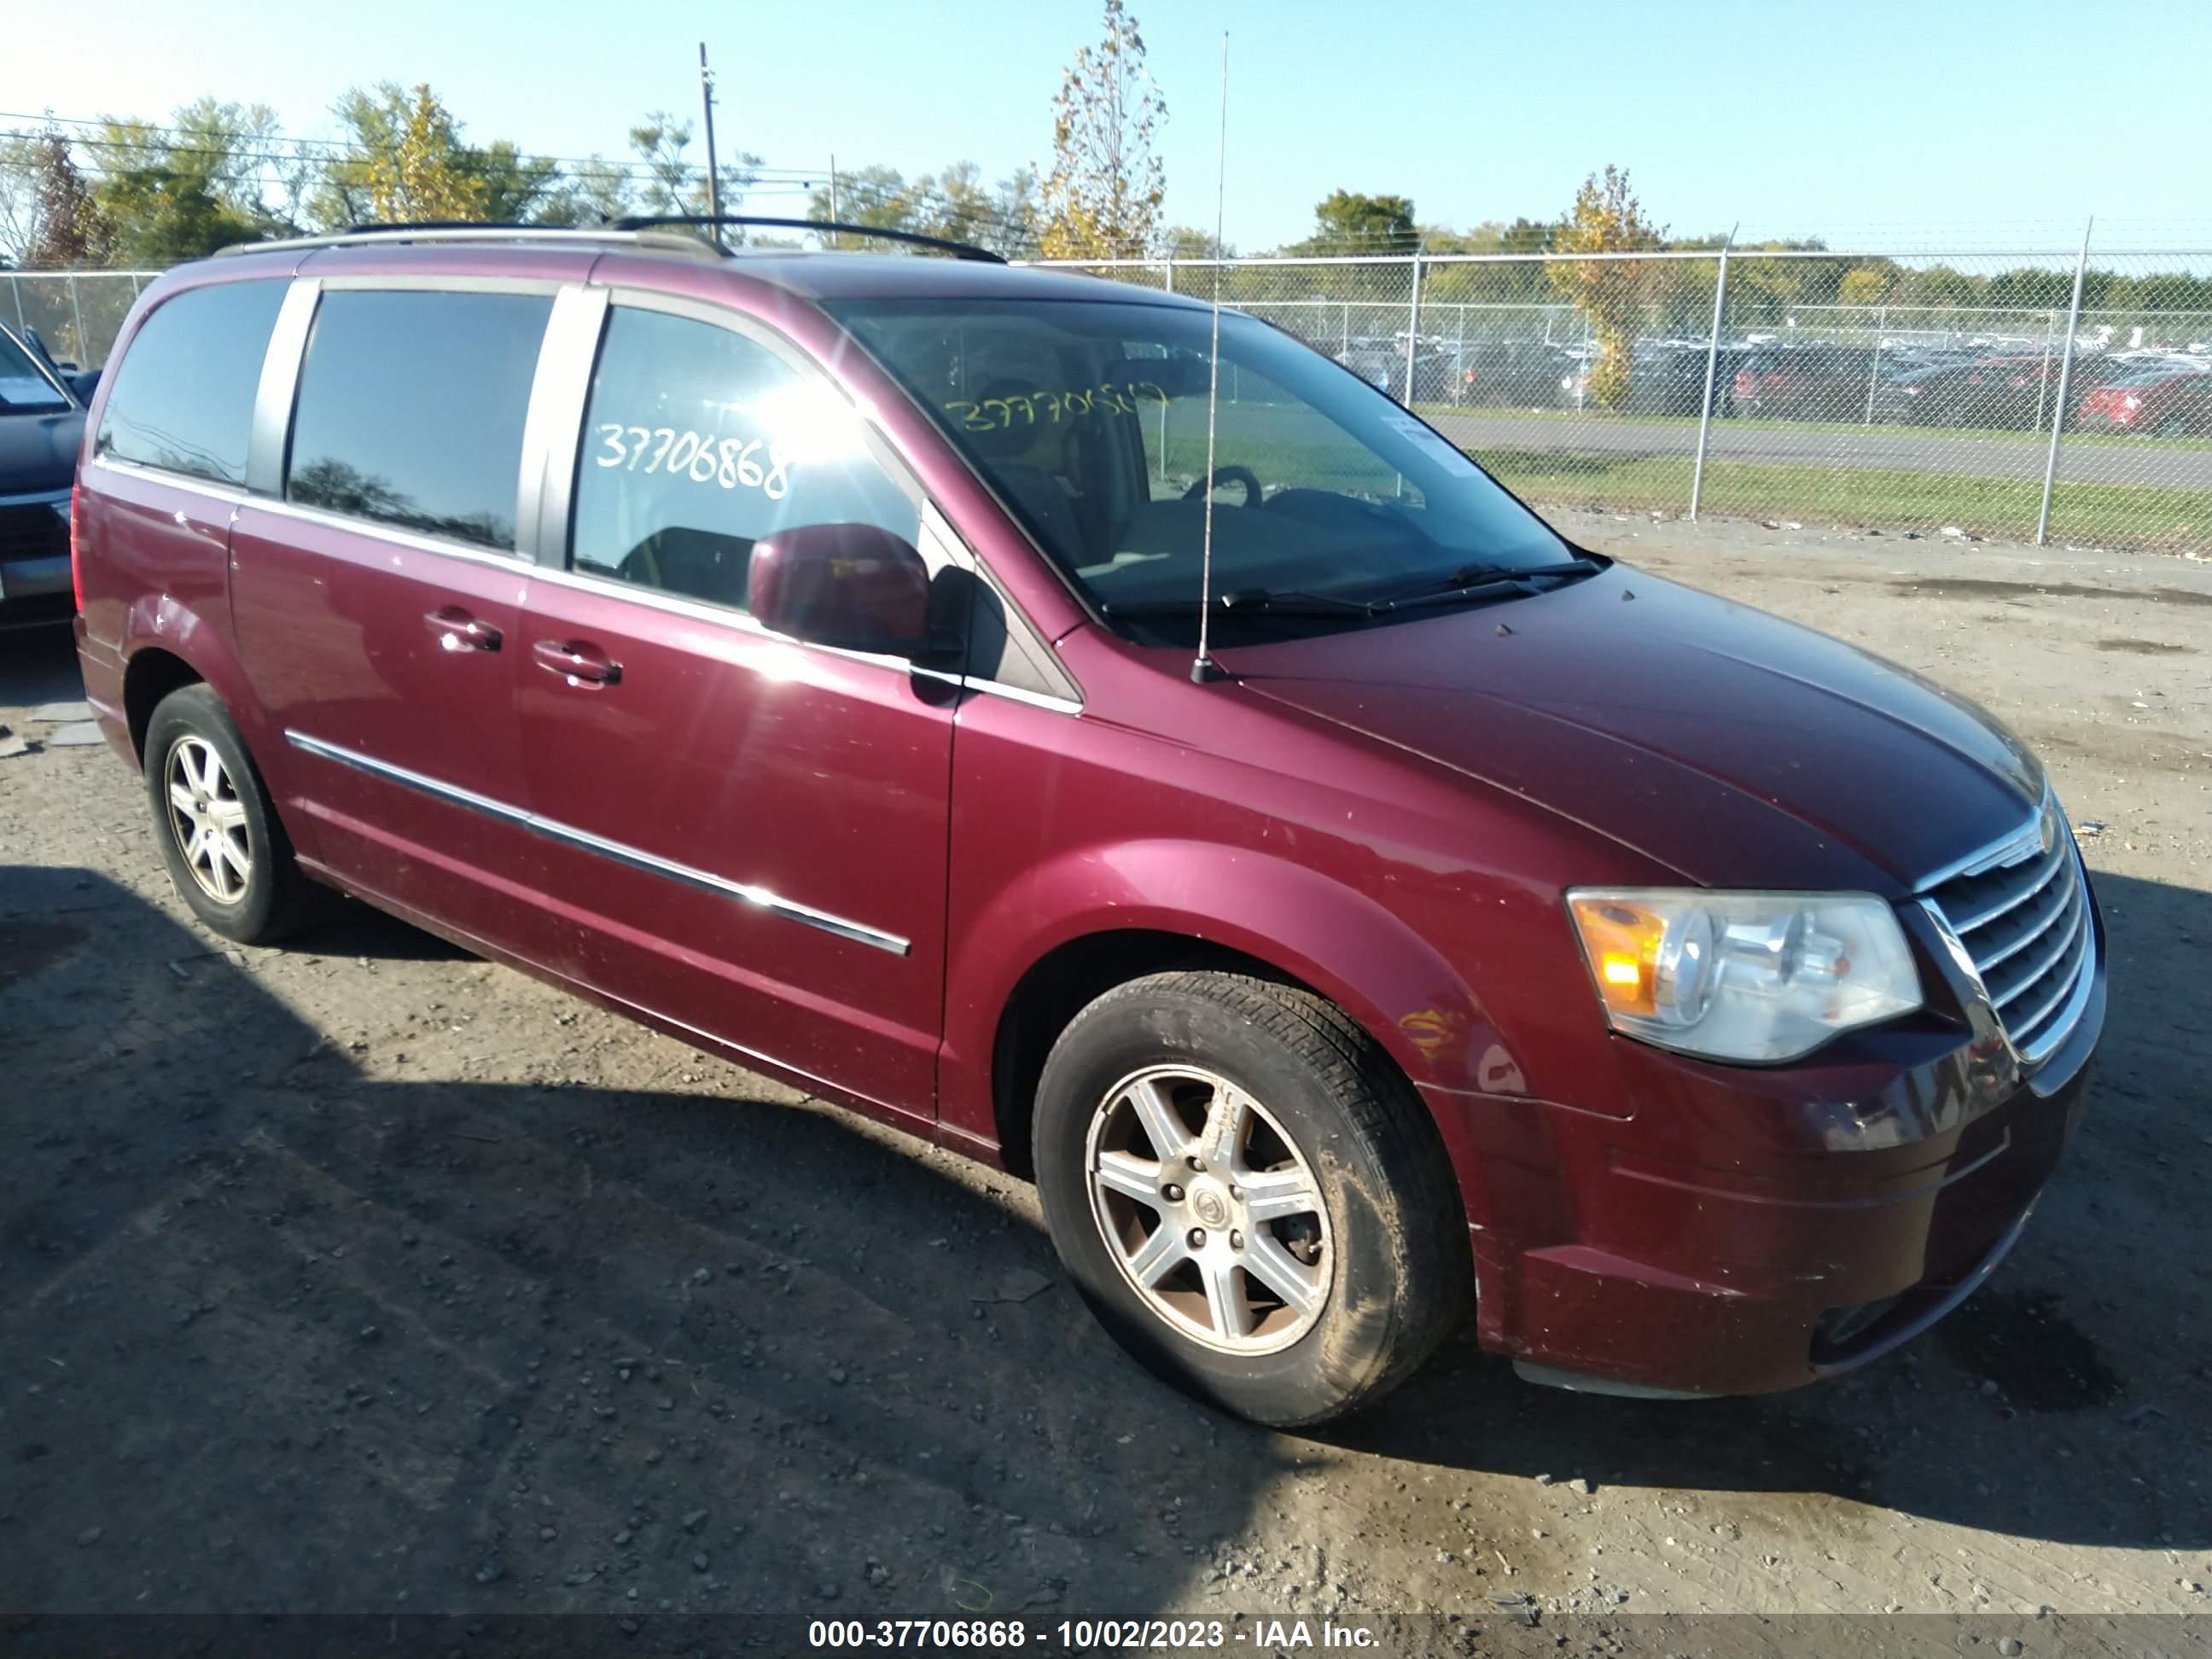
pixel 42 425
pixel 1381 362
pixel 2012 393
pixel 1810 380
pixel 2172 400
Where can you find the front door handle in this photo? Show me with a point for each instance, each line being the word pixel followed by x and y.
pixel 457 631
pixel 580 665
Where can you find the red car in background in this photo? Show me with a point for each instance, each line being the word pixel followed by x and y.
pixel 801 653
pixel 2173 400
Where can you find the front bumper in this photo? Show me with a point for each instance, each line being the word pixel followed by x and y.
pixel 1735 1230
pixel 34 557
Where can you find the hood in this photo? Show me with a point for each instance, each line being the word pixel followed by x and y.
pixel 37 452
pixel 1739 749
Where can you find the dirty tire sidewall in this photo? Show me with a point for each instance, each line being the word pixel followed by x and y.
pixel 1401 1275
pixel 275 895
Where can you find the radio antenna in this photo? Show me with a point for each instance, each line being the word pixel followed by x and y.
pixel 1204 668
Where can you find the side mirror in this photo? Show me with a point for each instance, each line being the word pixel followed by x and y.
pixel 847 585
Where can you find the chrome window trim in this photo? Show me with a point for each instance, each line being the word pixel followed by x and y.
pixel 744 622
pixel 191 482
pixel 759 898
pixel 270 434
pixel 38 498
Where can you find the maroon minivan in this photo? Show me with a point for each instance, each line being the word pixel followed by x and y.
pixel 799 653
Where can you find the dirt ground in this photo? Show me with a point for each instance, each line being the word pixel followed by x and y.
pixel 366 1276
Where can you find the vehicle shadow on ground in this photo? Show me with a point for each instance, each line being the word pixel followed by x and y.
pixel 289 1337
pixel 2055 1404
pixel 38 664
pixel 297 1338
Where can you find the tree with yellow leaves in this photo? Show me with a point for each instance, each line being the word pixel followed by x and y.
pixel 1102 197
pixel 425 175
pixel 1606 218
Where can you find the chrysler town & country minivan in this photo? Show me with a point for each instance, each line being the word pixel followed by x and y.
pixel 800 654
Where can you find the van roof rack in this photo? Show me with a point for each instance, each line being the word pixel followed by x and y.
pixel 648 233
pixel 943 244
pixel 480 230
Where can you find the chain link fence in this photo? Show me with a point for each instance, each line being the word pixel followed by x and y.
pixel 1914 392
pixel 76 314
pixel 2019 395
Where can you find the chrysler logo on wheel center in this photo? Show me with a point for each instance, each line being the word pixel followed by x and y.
pixel 1212 1208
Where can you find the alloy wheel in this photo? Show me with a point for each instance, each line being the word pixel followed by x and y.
pixel 208 819
pixel 1210 1210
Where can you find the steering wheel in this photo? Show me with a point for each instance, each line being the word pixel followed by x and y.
pixel 1222 475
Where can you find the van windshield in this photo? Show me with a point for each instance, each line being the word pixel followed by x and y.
pixel 1088 420
pixel 23 389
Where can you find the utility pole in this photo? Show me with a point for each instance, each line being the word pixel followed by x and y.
pixel 714 174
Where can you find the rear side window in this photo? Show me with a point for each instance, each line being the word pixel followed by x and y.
pixel 699 442
pixel 183 398
pixel 410 410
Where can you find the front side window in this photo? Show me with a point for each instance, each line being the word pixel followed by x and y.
pixel 23 389
pixel 410 409
pixel 1088 420
pixel 183 397
pixel 699 442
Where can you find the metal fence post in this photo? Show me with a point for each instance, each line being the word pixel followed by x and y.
pixel 2043 386
pixel 76 311
pixel 1170 264
pixel 1712 363
pixel 1873 373
pixel 2065 373
pixel 1413 330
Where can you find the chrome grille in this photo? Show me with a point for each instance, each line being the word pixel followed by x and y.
pixel 2021 912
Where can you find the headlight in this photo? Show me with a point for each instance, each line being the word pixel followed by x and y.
pixel 1742 976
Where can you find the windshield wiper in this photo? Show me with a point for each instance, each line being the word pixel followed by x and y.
pixel 1251 600
pixel 1472 579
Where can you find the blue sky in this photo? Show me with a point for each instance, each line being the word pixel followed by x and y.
pixel 2009 118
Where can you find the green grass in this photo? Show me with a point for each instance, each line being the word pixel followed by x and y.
pixel 1284 445
pixel 2000 508
pixel 2034 441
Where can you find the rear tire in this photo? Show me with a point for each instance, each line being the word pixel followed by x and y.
pixel 219 833
pixel 1298 1247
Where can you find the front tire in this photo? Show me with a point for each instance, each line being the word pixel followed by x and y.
pixel 1249 1196
pixel 219 833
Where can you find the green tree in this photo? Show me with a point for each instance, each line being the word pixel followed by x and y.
pixel 674 184
pixel 1102 197
pixel 1345 221
pixel 1188 242
pixel 1606 218
pixel 591 191
pixel 1869 283
pixel 953 203
pixel 179 192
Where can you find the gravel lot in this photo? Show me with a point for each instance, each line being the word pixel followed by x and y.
pixel 367 1276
